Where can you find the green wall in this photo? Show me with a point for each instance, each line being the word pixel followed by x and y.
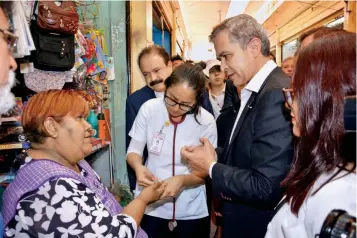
pixel 112 19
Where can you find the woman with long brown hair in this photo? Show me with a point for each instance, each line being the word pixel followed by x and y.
pixel 321 179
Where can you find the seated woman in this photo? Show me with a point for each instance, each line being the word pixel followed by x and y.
pixel 55 192
pixel 323 175
pixel 165 125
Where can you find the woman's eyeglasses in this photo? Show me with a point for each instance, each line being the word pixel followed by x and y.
pixel 171 102
pixel 289 96
pixel 10 39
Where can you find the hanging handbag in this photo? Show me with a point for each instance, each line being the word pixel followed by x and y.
pixel 54 51
pixel 57 16
pixel 39 81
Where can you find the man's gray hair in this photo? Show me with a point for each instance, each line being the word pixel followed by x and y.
pixel 242 29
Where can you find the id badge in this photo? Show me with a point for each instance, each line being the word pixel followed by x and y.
pixel 157 143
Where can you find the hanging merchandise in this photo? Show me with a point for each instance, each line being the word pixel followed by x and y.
pixel 39 80
pixel 24 44
pixel 90 96
pixel 78 72
pixel 102 127
pixel 94 58
pixel 93 121
pixel 55 51
pixel 57 16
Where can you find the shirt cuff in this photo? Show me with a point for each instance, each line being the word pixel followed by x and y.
pixel 210 169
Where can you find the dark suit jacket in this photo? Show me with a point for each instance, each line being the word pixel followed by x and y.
pixel 133 104
pixel 230 108
pixel 225 122
pixel 252 166
pixel 231 95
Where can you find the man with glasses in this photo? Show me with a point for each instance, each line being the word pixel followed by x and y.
pixel 258 152
pixel 155 65
pixel 7 62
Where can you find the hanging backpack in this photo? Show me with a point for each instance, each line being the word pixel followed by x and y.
pixel 54 51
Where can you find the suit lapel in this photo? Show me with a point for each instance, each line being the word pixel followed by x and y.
pixel 235 111
pixel 245 112
pixel 151 92
pixel 243 116
pixel 239 124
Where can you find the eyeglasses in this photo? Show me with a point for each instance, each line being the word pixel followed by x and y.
pixel 289 96
pixel 10 38
pixel 171 102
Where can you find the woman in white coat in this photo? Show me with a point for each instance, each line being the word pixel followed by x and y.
pixel 323 175
pixel 165 125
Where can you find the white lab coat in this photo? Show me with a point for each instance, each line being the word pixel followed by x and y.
pixel 152 117
pixel 338 194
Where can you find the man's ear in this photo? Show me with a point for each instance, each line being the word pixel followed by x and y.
pixel 51 127
pixel 255 47
pixel 169 64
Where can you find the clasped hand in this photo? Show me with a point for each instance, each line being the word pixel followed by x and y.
pixel 172 186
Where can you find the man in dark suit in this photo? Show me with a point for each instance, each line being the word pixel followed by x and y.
pixel 155 65
pixel 258 152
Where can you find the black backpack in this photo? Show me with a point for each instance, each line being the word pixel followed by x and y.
pixel 54 51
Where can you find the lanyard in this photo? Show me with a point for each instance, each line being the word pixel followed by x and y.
pixel 173 170
pixel 173 223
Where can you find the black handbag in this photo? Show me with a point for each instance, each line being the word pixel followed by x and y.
pixel 54 51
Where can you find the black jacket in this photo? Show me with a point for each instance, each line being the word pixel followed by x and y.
pixel 231 95
pixel 251 168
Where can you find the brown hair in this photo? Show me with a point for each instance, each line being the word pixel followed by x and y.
pixel 52 103
pixel 151 49
pixel 6 6
pixel 193 76
pixel 325 73
pixel 317 33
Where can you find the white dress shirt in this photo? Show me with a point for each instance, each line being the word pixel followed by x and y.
pixel 152 119
pixel 217 101
pixel 254 85
pixel 340 193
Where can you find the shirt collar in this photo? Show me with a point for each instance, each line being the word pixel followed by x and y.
pixel 159 94
pixel 257 81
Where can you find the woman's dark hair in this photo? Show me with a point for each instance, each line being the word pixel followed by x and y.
pixel 193 76
pixel 190 62
pixel 325 73
pixel 201 65
pixel 317 33
pixel 176 57
pixel 6 6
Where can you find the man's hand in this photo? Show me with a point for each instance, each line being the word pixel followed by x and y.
pixel 173 187
pixel 144 176
pixel 201 157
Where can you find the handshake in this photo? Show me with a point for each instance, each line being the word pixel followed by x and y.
pixel 157 190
